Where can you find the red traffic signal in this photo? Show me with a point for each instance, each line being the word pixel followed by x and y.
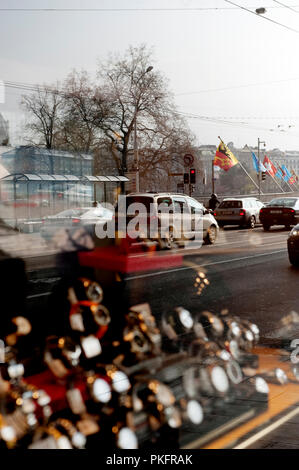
pixel 192 176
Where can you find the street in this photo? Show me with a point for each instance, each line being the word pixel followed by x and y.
pixel 247 272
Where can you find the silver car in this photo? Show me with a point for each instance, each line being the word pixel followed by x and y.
pixel 239 211
pixel 184 217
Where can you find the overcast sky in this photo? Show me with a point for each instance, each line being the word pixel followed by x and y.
pixel 223 63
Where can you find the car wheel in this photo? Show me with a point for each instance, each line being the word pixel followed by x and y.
pixel 294 260
pixel 251 222
pixel 266 227
pixel 211 236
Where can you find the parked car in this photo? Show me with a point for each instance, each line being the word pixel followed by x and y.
pixel 184 217
pixel 280 211
pixel 293 246
pixel 239 211
pixel 70 218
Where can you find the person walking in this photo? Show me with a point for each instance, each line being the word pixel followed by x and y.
pixel 213 202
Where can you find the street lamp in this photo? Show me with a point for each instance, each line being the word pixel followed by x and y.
pixel 136 154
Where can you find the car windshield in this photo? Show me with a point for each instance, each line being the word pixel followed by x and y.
pixel 283 202
pixel 230 205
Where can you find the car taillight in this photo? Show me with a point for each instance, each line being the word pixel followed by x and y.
pixel 76 221
pixel 215 213
pixel 242 212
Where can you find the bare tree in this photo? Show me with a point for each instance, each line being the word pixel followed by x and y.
pixel 84 109
pixel 138 94
pixel 43 107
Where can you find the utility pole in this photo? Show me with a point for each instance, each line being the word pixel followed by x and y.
pixel 213 178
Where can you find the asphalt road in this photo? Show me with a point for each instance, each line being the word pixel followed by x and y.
pixel 248 272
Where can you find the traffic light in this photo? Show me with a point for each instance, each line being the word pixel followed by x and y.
pixel 192 176
pixel 186 178
pixel 263 175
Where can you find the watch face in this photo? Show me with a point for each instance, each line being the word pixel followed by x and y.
pixel 23 325
pixel 95 292
pixel 101 314
pixel 235 329
pixel 249 336
pixel 281 376
pixel 295 370
pixel 78 440
pixel 173 417
pixel 234 372
pixel 127 439
pixel 189 382
pixel 101 391
pixel 195 412
pixel 219 379
pixel 217 325
pixel 185 318
pixel 261 385
pixel 120 382
pixel 162 393
pixel 234 349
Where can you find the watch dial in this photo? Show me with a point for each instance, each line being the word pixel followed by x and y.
pixel 95 292
pixel 120 382
pixel 261 385
pixel 234 372
pixel 173 417
pixel 101 391
pixel 281 376
pixel 164 395
pixel 101 315
pixel 185 318
pixel 127 439
pixel 195 411
pixel 219 379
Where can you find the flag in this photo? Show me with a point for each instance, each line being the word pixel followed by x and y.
pixel 224 158
pixel 294 175
pixel 256 163
pixel 270 168
pixel 287 174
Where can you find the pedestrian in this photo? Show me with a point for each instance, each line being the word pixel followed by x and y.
pixel 213 202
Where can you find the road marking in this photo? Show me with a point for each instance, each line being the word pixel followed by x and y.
pixel 268 430
pixel 185 268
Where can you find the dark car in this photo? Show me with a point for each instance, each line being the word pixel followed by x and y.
pixel 293 246
pixel 280 211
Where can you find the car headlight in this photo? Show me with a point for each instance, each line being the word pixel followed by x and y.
pixel 294 233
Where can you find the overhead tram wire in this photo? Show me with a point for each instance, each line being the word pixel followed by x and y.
pixel 263 17
pixel 286 6
pixel 66 10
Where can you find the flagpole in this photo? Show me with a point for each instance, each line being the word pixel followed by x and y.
pixel 280 187
pixel 260 192
pixel 244 169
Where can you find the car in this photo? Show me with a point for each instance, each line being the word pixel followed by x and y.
pixel 70 218
pixel 178 218
pixel 293 246
pixel 238 211
pixel 280 211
